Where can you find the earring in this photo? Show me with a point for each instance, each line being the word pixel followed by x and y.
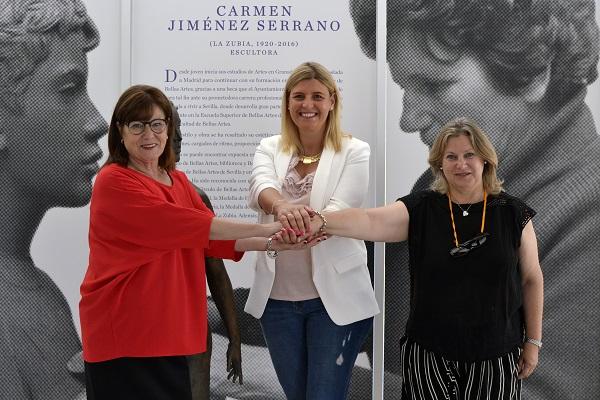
pixel 122 141
pixel 441 169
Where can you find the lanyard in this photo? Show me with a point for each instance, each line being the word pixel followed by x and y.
pixel 452 216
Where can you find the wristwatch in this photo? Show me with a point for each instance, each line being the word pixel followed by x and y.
pixel 270 252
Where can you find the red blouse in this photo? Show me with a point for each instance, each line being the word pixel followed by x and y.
pixel 144 292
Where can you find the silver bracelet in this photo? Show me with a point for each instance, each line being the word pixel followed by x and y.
pixel 270 252
pixel 324 226
pixel 534 342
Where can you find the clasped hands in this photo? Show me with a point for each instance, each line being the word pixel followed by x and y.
pixel 300 224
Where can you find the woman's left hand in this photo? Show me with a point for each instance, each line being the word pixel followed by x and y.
pixel 528 360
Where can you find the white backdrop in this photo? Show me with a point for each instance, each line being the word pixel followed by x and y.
pixel 191 52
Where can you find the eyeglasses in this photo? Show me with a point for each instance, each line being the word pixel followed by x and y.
pixel 464 248
pixel 157 125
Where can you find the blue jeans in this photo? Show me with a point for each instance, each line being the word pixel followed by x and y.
pixel 313 357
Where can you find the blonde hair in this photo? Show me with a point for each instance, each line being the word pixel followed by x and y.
pixel 481 144
pixel 290 139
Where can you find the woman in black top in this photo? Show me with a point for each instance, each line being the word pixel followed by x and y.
pixel 475 321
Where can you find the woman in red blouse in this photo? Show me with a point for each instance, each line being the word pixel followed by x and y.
pixel 143 304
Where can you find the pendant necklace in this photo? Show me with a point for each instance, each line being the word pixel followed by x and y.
pixel 452 216
pixel 465 212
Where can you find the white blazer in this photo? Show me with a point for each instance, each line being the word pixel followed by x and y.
pixel 340 271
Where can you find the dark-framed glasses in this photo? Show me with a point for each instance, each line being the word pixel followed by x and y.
pixel 464 248
pixel 157 125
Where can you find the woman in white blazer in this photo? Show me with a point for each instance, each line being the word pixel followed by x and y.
pixel 315 307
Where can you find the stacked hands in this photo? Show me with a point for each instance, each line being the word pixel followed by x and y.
pixel 301 226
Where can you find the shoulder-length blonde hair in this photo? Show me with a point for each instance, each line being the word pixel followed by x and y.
pixel 481 144
pixel 290 139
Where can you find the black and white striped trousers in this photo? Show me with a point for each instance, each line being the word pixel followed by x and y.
pixel 428 376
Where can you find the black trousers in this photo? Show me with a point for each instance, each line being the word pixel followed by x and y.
pixel 133 378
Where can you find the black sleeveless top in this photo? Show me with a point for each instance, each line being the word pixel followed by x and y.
pixel 467 308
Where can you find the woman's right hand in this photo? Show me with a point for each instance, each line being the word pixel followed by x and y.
pixel 294 219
